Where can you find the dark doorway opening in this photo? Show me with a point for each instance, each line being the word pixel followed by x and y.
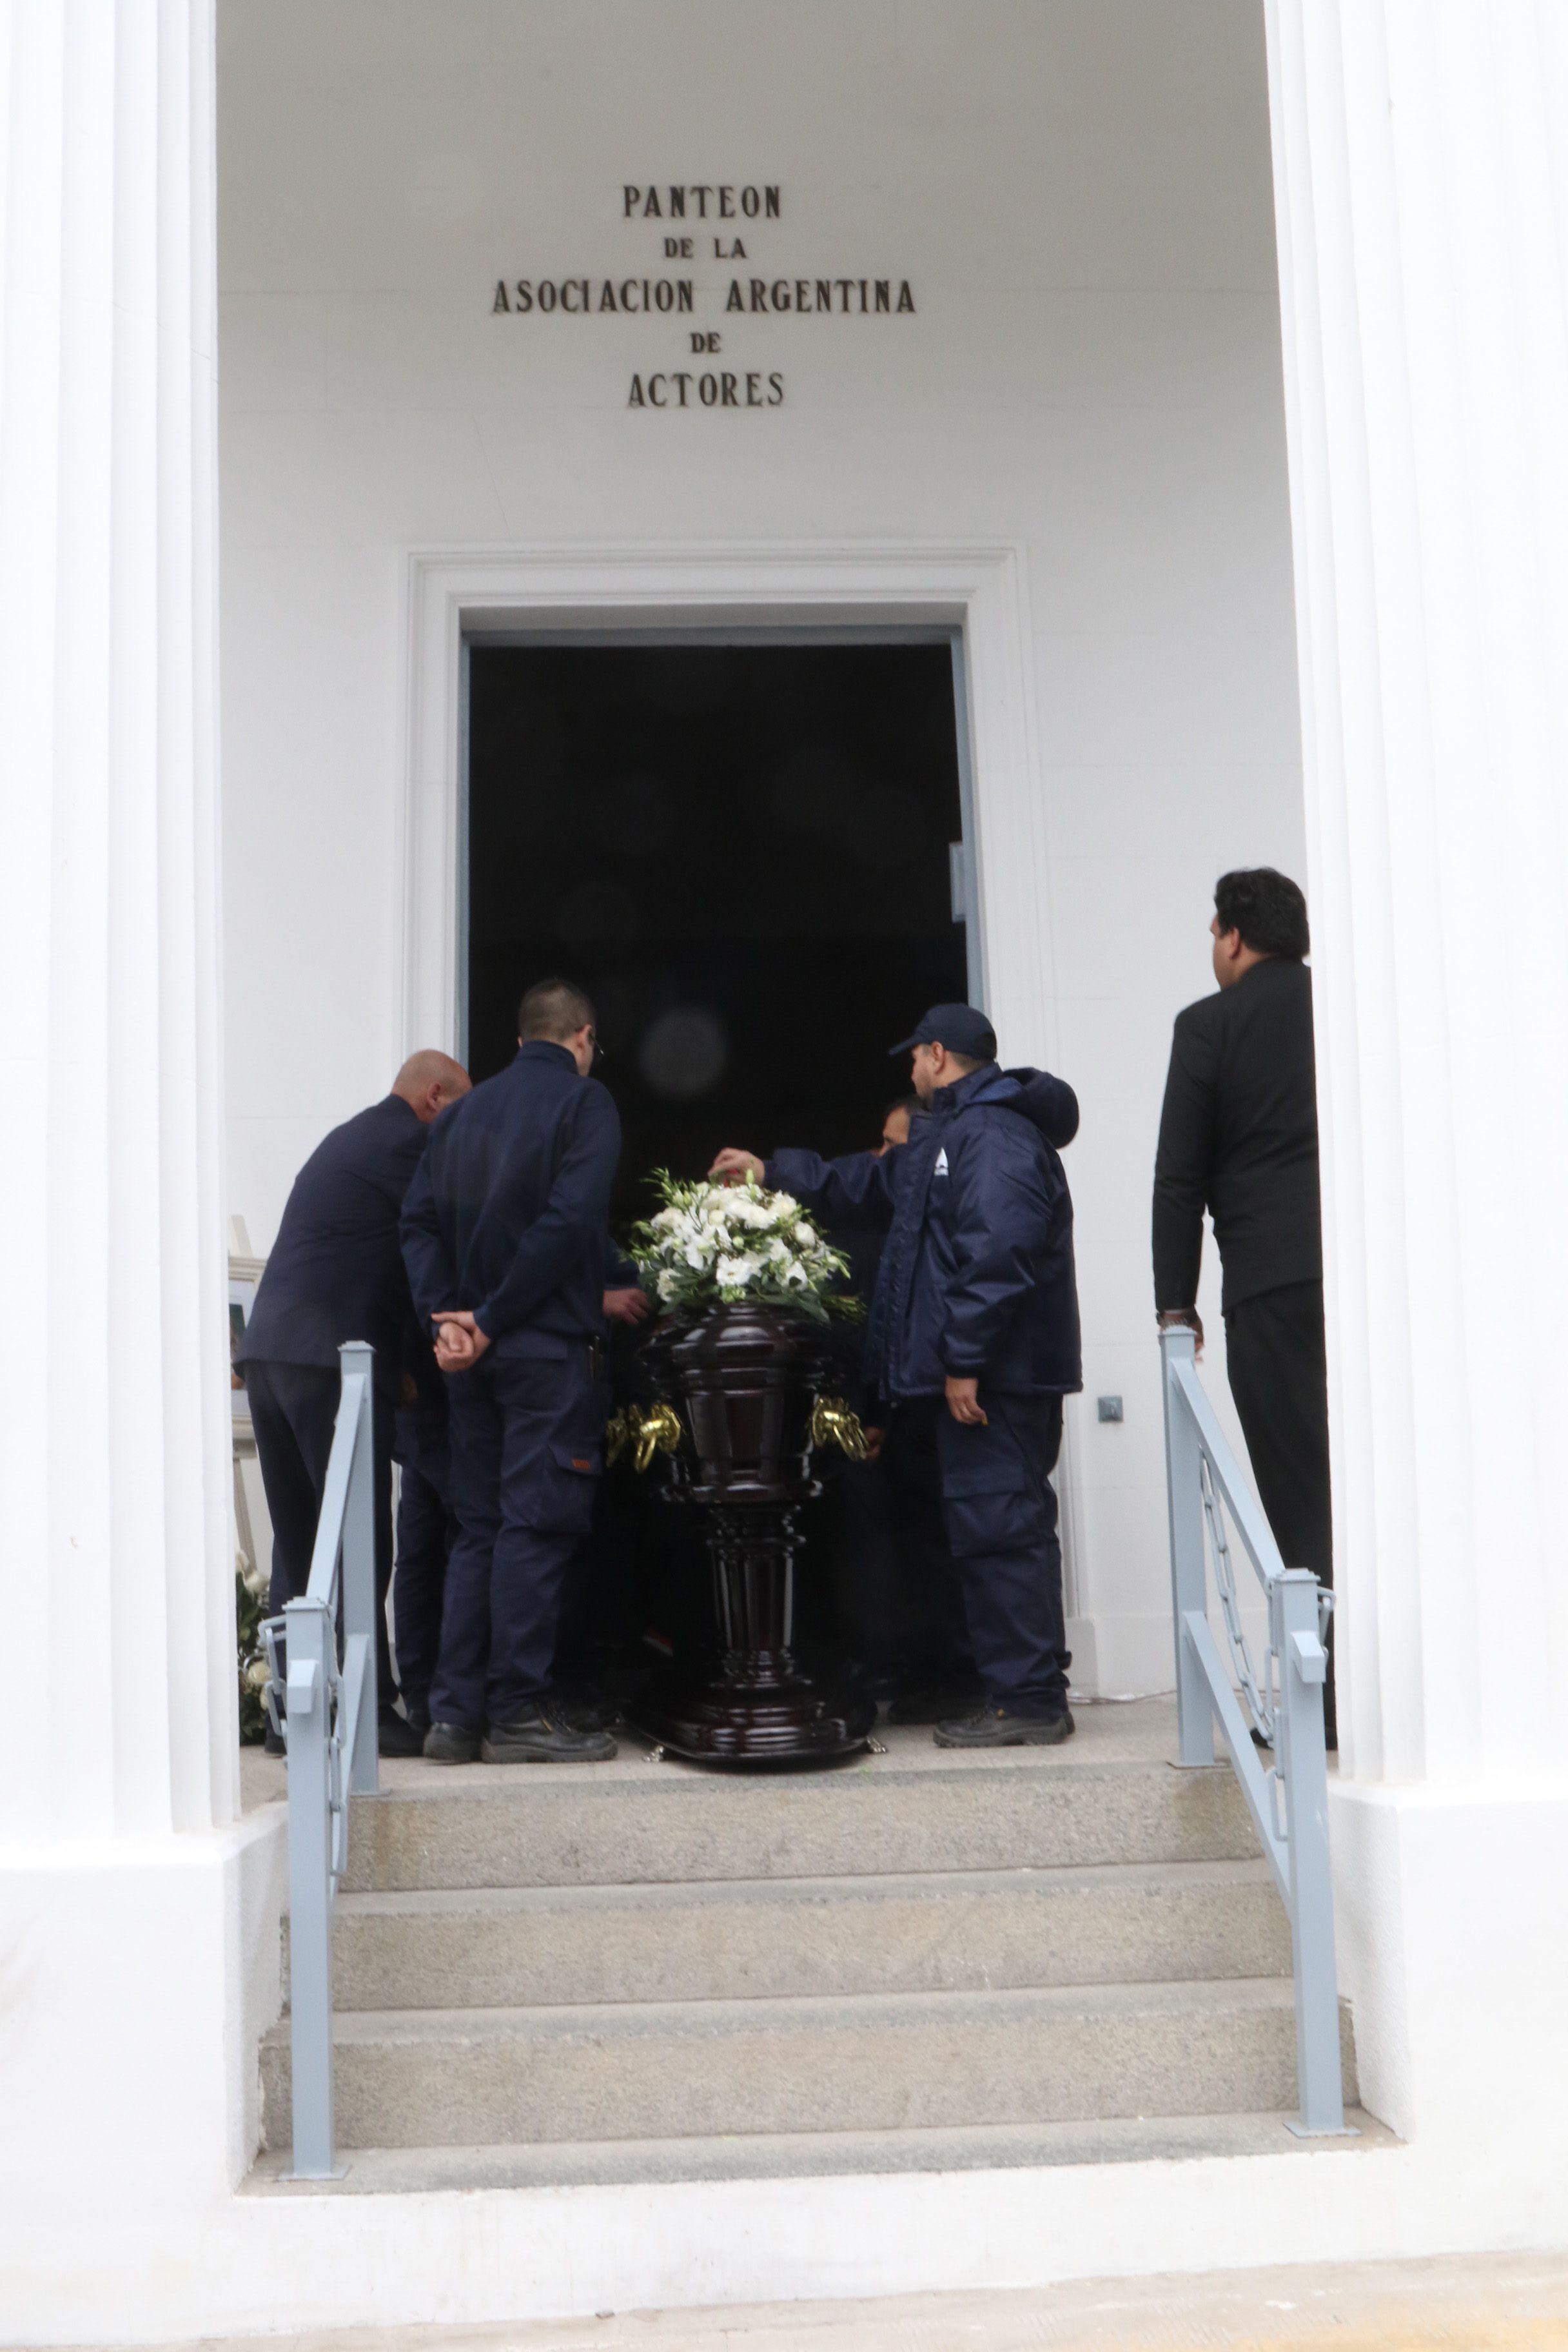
pixel 741 851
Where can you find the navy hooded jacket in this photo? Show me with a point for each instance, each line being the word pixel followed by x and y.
pixel 507 1213
pixel 976 1279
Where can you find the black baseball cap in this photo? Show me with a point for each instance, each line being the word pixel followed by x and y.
pixel 959 1027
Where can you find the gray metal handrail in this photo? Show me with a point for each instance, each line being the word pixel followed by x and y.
pixel 328 1715
pixel 1290 1802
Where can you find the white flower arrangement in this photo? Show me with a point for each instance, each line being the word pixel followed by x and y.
pixel 713 1244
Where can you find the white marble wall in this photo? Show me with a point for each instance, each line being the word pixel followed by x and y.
pixel 1423 200
pixel 122 1879
pixel 112 1397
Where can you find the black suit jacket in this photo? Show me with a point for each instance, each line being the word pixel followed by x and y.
pixel 1238 1135
pixel 336 1270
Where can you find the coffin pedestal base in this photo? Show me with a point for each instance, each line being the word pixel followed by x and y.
pixel 728 1719
pixel 747 1702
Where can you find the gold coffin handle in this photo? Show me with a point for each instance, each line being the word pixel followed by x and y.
pixel 832 1422
pixel 659 1431
pixel 648 1433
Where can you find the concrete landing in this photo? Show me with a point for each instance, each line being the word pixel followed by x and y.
pixel 1475 2302
pixel 1110 1731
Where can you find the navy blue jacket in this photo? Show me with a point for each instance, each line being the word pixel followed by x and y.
pixel 976 1279
pixel 508 1214
pixel 336 1272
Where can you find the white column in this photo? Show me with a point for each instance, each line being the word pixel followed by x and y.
pixel 116 1727
pixel 1421 189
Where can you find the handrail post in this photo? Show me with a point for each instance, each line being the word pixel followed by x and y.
pixel 1303 1770
pixel 359 1564
pixel 312 1664
pixel 1189 1569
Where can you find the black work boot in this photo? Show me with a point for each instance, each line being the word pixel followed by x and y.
pixel 448 1743
pixel 395 1736
pixel 998 1726
pixel 583 1709
pixel 545 1734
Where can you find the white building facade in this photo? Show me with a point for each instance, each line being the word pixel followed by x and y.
pixel 1218 401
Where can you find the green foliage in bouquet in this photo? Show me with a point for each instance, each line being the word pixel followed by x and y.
pixel 722 1244
pixel 249 1609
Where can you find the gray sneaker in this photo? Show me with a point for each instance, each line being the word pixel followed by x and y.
pixel 996 1726
pixel 545 1734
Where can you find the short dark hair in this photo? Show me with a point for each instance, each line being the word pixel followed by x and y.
pixel 912 1103
pixel 553 1009
pixel 1267 907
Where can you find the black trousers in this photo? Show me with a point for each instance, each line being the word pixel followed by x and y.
pixel 1279 1377
pixel 1001 1577
pixel 923 1596
pixel 427 1530
pixel 293 1411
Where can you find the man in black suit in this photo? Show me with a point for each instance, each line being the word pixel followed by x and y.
pixel 335 1274
pixel 1238 1135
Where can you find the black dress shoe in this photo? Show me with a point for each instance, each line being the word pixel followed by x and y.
pixel 395 1736
pixel 996 1726
pixel 545 1734
pixel 448 1743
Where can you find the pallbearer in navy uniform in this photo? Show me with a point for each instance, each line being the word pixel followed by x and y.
pixel 335 1274
pixel 973 1336
pixel 506 1239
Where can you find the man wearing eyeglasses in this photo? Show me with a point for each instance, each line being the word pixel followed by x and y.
pixel 507 1245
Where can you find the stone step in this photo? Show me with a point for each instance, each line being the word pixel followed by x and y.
pixel 427 2078
pixel 911 1810
pixel 783 2155
pixel 743 1939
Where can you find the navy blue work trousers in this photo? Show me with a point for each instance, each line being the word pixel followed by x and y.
pixel 999 1518
pixel 527 1450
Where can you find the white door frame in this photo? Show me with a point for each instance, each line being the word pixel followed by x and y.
pixel 460 592
pixel 456 593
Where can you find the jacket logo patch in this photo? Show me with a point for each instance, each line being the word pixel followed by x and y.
pixel 941 1168
pixel 581 1462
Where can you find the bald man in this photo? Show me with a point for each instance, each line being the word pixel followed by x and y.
pixel 335 1274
